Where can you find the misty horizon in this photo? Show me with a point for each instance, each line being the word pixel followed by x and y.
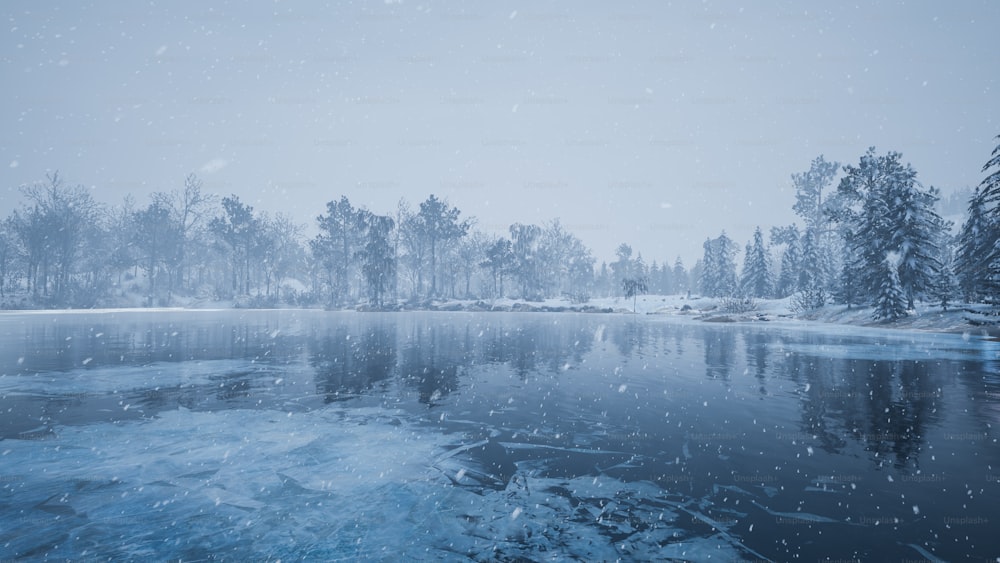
pixel 647 125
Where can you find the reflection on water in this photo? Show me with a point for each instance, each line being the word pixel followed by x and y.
pixel 778 443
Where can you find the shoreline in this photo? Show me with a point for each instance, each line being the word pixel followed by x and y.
pixel 927 318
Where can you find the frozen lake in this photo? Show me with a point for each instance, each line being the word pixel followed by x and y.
pixel 290 435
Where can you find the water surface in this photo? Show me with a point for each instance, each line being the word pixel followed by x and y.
pixel 238 435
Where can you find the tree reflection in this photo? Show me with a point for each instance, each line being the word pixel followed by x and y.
pixel 348 364
pixel 756 346
pixel 883 405
pixel 720 351
pixel 900 403
pixel 430 361
pixel 629 338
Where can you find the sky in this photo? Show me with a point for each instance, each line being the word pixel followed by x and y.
pixel 648 123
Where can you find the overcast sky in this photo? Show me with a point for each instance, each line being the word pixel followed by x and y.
pixel 644 123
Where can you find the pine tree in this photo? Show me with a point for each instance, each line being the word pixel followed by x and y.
pixel 945 284
pixel 886 213
pixel 787 282
pixel 975 244
pixel 809 188
pixel 915 236
pixel 378 261
pixel 756 278
pixel 990 185
pixel 849 286
pixel 810 274
pixel 984 269
pixel 680 276
pixel 622 268
pixel 890 301
pixel 718 277
pixel 811 283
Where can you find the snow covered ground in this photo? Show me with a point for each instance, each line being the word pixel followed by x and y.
pixel 926 317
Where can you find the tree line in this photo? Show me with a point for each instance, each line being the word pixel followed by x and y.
pixel 62 248
pixel 870 236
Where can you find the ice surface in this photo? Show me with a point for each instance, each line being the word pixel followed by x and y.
pixel 112 379
pixel 498 437
pixel 327 484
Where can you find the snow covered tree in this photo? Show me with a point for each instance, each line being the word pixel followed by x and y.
pixel 976 241
pixel 499 261
pixel 978 260
pixel 886 212
pixel 945 284
pixel 189 209
pixel 680 276
pixel 848 284
pixel 809 186
pixel 756 278
pixel 238 230
pixel 378 259
pixel 667 286
pixel 336 246
pixel 158 239
pixel 814 209
pixel 718 276
pixel 525 265
pixel 281 251
pixel 810 269
pixel 54 228
pixel 471 251
pixel 990 186
pixel 890 300
pixel 8 255
pixel 787 282
pixel 632 287
pixel 622 268
pixel 438 224
pixel 656 278
pixel 811 292
pixel 915 235
pixel 566 265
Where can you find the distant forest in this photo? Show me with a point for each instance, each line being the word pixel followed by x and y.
pixel 870 235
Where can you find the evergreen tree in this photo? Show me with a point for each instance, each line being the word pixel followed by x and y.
pixel 810 268
pixel 809 186
pixel 667 285
pixel 526 268
pixel 848 285
pixel 640 270
pixel 756 278
pixel 157 237
pixel 238 230
pixel 945 284
pixel 890 300
pixel 976 241
pixel 787 282
pixel 915 235
pixel 886 213
pixel 378 259
pixel 438 225
pixel 680 276
pixel 989 276
pixel 498 262
pixel 622 268
pixel 990 186
pixel 336 246
pixel 655 278
pixel 718 277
